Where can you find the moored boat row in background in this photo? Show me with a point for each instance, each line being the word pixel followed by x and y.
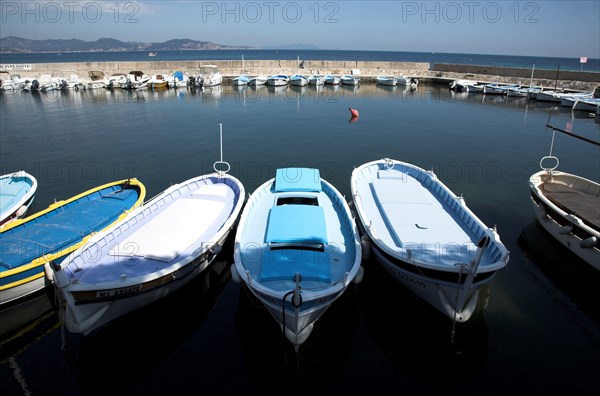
pixel 584 101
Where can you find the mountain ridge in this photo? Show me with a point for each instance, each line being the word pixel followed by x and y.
pixel 12 44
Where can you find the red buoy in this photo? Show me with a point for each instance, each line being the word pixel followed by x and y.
pixel 354 112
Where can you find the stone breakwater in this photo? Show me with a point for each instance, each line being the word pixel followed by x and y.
pixel 366 70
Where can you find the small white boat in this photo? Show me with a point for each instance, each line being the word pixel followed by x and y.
pixel 587 104
pixel 316 80
pixel 116 80
pixel 499 89
pixel 350 80
pixel 155 250
pixel 297 249
pixel 386 80
pixel 298 80
pixel 517 92
pixel 475 88
pixel 278 80
pixel 209 76
pixel 548 96
pixel 533 91
pixel 96 79
pixel 241 80
pixel 17 192
pixel 566 206
pixel 332 80
pixel 135 80
pixel 425 236
pixel 409 81
pixel 461 85
pixel 179 80
pixel 258 80
pixel 9 82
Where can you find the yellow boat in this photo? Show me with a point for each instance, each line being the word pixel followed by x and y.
pixel 29 245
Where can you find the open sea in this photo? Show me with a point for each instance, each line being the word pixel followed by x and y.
pixel 537 326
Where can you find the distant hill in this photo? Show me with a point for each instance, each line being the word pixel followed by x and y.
pixel 22 45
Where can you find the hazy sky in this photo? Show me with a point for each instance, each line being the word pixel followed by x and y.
pixel 544 28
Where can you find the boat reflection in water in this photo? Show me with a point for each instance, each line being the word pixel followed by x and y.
pixel 271 359
pixel 414 337
pixel 129 348
pixel 550 261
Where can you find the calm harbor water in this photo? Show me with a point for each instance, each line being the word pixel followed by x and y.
pixel 537 326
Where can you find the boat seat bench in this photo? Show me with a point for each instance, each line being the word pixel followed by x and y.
pixel 70 226
pixel 418 221
pixel 283 264
pixel 165 236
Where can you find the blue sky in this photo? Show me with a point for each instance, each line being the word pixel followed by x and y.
pixel 543 28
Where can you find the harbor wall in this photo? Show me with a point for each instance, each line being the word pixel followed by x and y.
pixel 523 73
pixel 368 70
pixel 564 79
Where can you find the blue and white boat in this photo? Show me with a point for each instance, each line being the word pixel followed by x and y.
pixel 350 80
pixel 386 80
pixel 298 80
pixel 425 236
pixel 258 80
pixel 242 80
pixel 499 89
pixel 408 81
pixel 278 80
pixel 332 80
pixel 316 80
pixel 28 245
pixel 297 249
pixel 17 191
pixel 587 104
pixel 157 249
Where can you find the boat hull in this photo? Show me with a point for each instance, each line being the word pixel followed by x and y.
pixel 439 294
pixel 571 231
pixel 89 310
